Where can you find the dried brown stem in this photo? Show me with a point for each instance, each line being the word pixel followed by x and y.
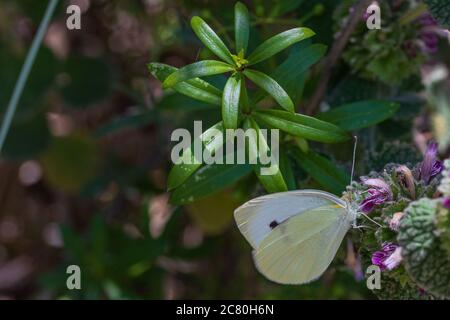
pixel 335 53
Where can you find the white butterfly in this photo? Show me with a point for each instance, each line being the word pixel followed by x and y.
pixel 295 235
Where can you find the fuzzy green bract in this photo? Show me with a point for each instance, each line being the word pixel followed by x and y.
pixel 413 220
pixel 440 10
pixel 425 260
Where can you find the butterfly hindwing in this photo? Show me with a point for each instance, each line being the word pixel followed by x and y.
pixel 301 249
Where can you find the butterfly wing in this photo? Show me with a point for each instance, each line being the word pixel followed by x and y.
pixel 301 249
pixel 258 217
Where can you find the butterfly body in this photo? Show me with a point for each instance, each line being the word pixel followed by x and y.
pixel 295 235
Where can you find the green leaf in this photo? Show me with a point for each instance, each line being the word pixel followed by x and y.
pixel 81 90
pixel 361 114
pixel 74 243
pixel 325 172
pixel 278 43
pixel 211 40
pixel 180 172
pixel 271 87
pixel 195 88
pixel 230 102
pixel 282 7
pixel 287 171
pixel 242 27
pixel 302 126
pixel 424 256
pixel 257 146
pixel 174 102
pixel 244 100
pixel 27 138
pixel 208 180
pixel 197 69
pixel 125 122
pixel 40 80
pixel 291 73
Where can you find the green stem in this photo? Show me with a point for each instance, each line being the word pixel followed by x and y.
pixel 25 72
pixel 413 14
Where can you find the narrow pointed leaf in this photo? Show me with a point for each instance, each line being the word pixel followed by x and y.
pixel 161 71
pixel 271 87
pixel 291 73
pixel 244 100
pixel 208 180
pixel 230 102
pixel 241 26
pixel 282 7
pixel 322 170
pixel 181 172
pixel 195 88
pixel 302 126
pixel 257 146
pixel 361 114
pixel 278 43
pixel 126 122
pixel 287 171
pixel 210 39
pixel 197 69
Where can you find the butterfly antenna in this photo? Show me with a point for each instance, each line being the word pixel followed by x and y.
pixel 370 219
pixel 355 145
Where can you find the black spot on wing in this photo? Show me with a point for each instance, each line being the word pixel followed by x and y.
pixel 273 224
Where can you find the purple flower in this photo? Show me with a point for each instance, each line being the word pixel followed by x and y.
pixel 446 203
pixel 388 258
pixel 365 16
pixel 430 166
pixel 368 12
pixel 422 291
pixel 430 41
pixel 427 20
pixel 406 179
pixel 429 33
pixel 379 192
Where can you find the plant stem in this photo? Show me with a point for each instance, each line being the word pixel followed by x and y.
pixel 25 72
pixel 335 53
pixel 413 14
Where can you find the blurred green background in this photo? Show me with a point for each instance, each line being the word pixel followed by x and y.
pixel 83 172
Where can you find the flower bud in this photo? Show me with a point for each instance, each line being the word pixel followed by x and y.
pixel 395 221
pixel 406 180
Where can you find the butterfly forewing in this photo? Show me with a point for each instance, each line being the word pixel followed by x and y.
pixel 258 217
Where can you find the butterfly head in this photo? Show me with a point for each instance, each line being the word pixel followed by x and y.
pixel 352 207
pixel 353 215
